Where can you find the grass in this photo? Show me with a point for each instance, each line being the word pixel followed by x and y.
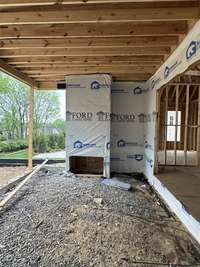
pixel 21 154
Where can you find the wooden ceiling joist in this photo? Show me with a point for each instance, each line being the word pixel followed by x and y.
pixel 117 29
pixel 44 40
pixel 16 73
pixel 107 69
pixel 104 15
pixel 90 42
pixel 31 3
pixel 125 51
pixel 155 59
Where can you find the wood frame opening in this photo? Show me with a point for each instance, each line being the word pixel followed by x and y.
pixel 86 165
pixel 178 125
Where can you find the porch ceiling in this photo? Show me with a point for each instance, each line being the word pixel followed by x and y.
pixel 42 41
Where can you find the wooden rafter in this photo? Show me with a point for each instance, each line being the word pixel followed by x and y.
pixel 107 13
pixel 87 52
pixel 16 73
pixel 47 39
pixel 134 41
pixel 95 30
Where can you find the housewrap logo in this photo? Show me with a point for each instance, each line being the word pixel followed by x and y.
pixel 137 157
pixel 103 116
pixel 123 143
pixel 122 117
pixel 95 85
pixel 74 85
pixel 150 162
pixel 79 116
pixel 78 144
pixel 108 145
pixel 192 49
pixel 169 69
pixel 137 90
pixel 154 82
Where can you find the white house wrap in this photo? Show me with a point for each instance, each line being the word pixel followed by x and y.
pixel 127 126
pixel 88 101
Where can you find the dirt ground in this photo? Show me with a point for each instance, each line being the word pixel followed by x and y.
pixel 59 221
pixel 8 174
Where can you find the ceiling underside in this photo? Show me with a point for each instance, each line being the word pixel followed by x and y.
pixel 42 41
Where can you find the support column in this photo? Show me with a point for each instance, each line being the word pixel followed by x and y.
pixel 198 129
pixel 30 131
pixel 186 124
pixel 176 125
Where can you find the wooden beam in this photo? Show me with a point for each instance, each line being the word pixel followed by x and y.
pixel 198 130
pixel 108 13
pixel 30 131
pixel 90 42
pixel 94 30
pixel 166 121
pixel 155 59
pixel 192 73
pixel 19 186
pixel 32 3
pixel 186 124
pixel 16 73
pixel 36 75
pixel 70 69
pixel 73 52
pixel 118 77
pixel 176 125
pixel 102 64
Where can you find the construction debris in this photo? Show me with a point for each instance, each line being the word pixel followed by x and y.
pixel 98 201
pixel 12 193
pixel 114 182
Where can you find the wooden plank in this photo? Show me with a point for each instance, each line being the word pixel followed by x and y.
pixel 113 69
pixel 62 75
pixel 19 186
pixel 90 42
pixel 19 3
pixel 83 59
pixel 157 129
pixel 108 13
pixel 46 80
pixel 94 30
pixel 198 130
pixel 186 124
pixel 176 126
pixel 166 121
pixel 86 52
pixel 30 129
pixel 16 73
pixel 92 64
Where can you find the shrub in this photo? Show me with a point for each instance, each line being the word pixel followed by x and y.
pixel 13 145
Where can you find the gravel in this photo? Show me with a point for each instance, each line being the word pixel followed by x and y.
pixel 56 221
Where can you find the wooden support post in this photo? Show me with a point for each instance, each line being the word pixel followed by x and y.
pixel 31 111
pixel 166 118
pixel 198 130
pixel 176 125
pixel 158 99
pixel 186 124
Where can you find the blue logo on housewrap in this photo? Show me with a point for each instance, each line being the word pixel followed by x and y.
pixel 137 157
pixel 192 49
pixel 95 85
pixel 169 69
pixel 137 90
pixel 78 144
pixel 121 143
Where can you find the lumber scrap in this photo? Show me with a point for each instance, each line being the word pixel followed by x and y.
pixel 17 188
